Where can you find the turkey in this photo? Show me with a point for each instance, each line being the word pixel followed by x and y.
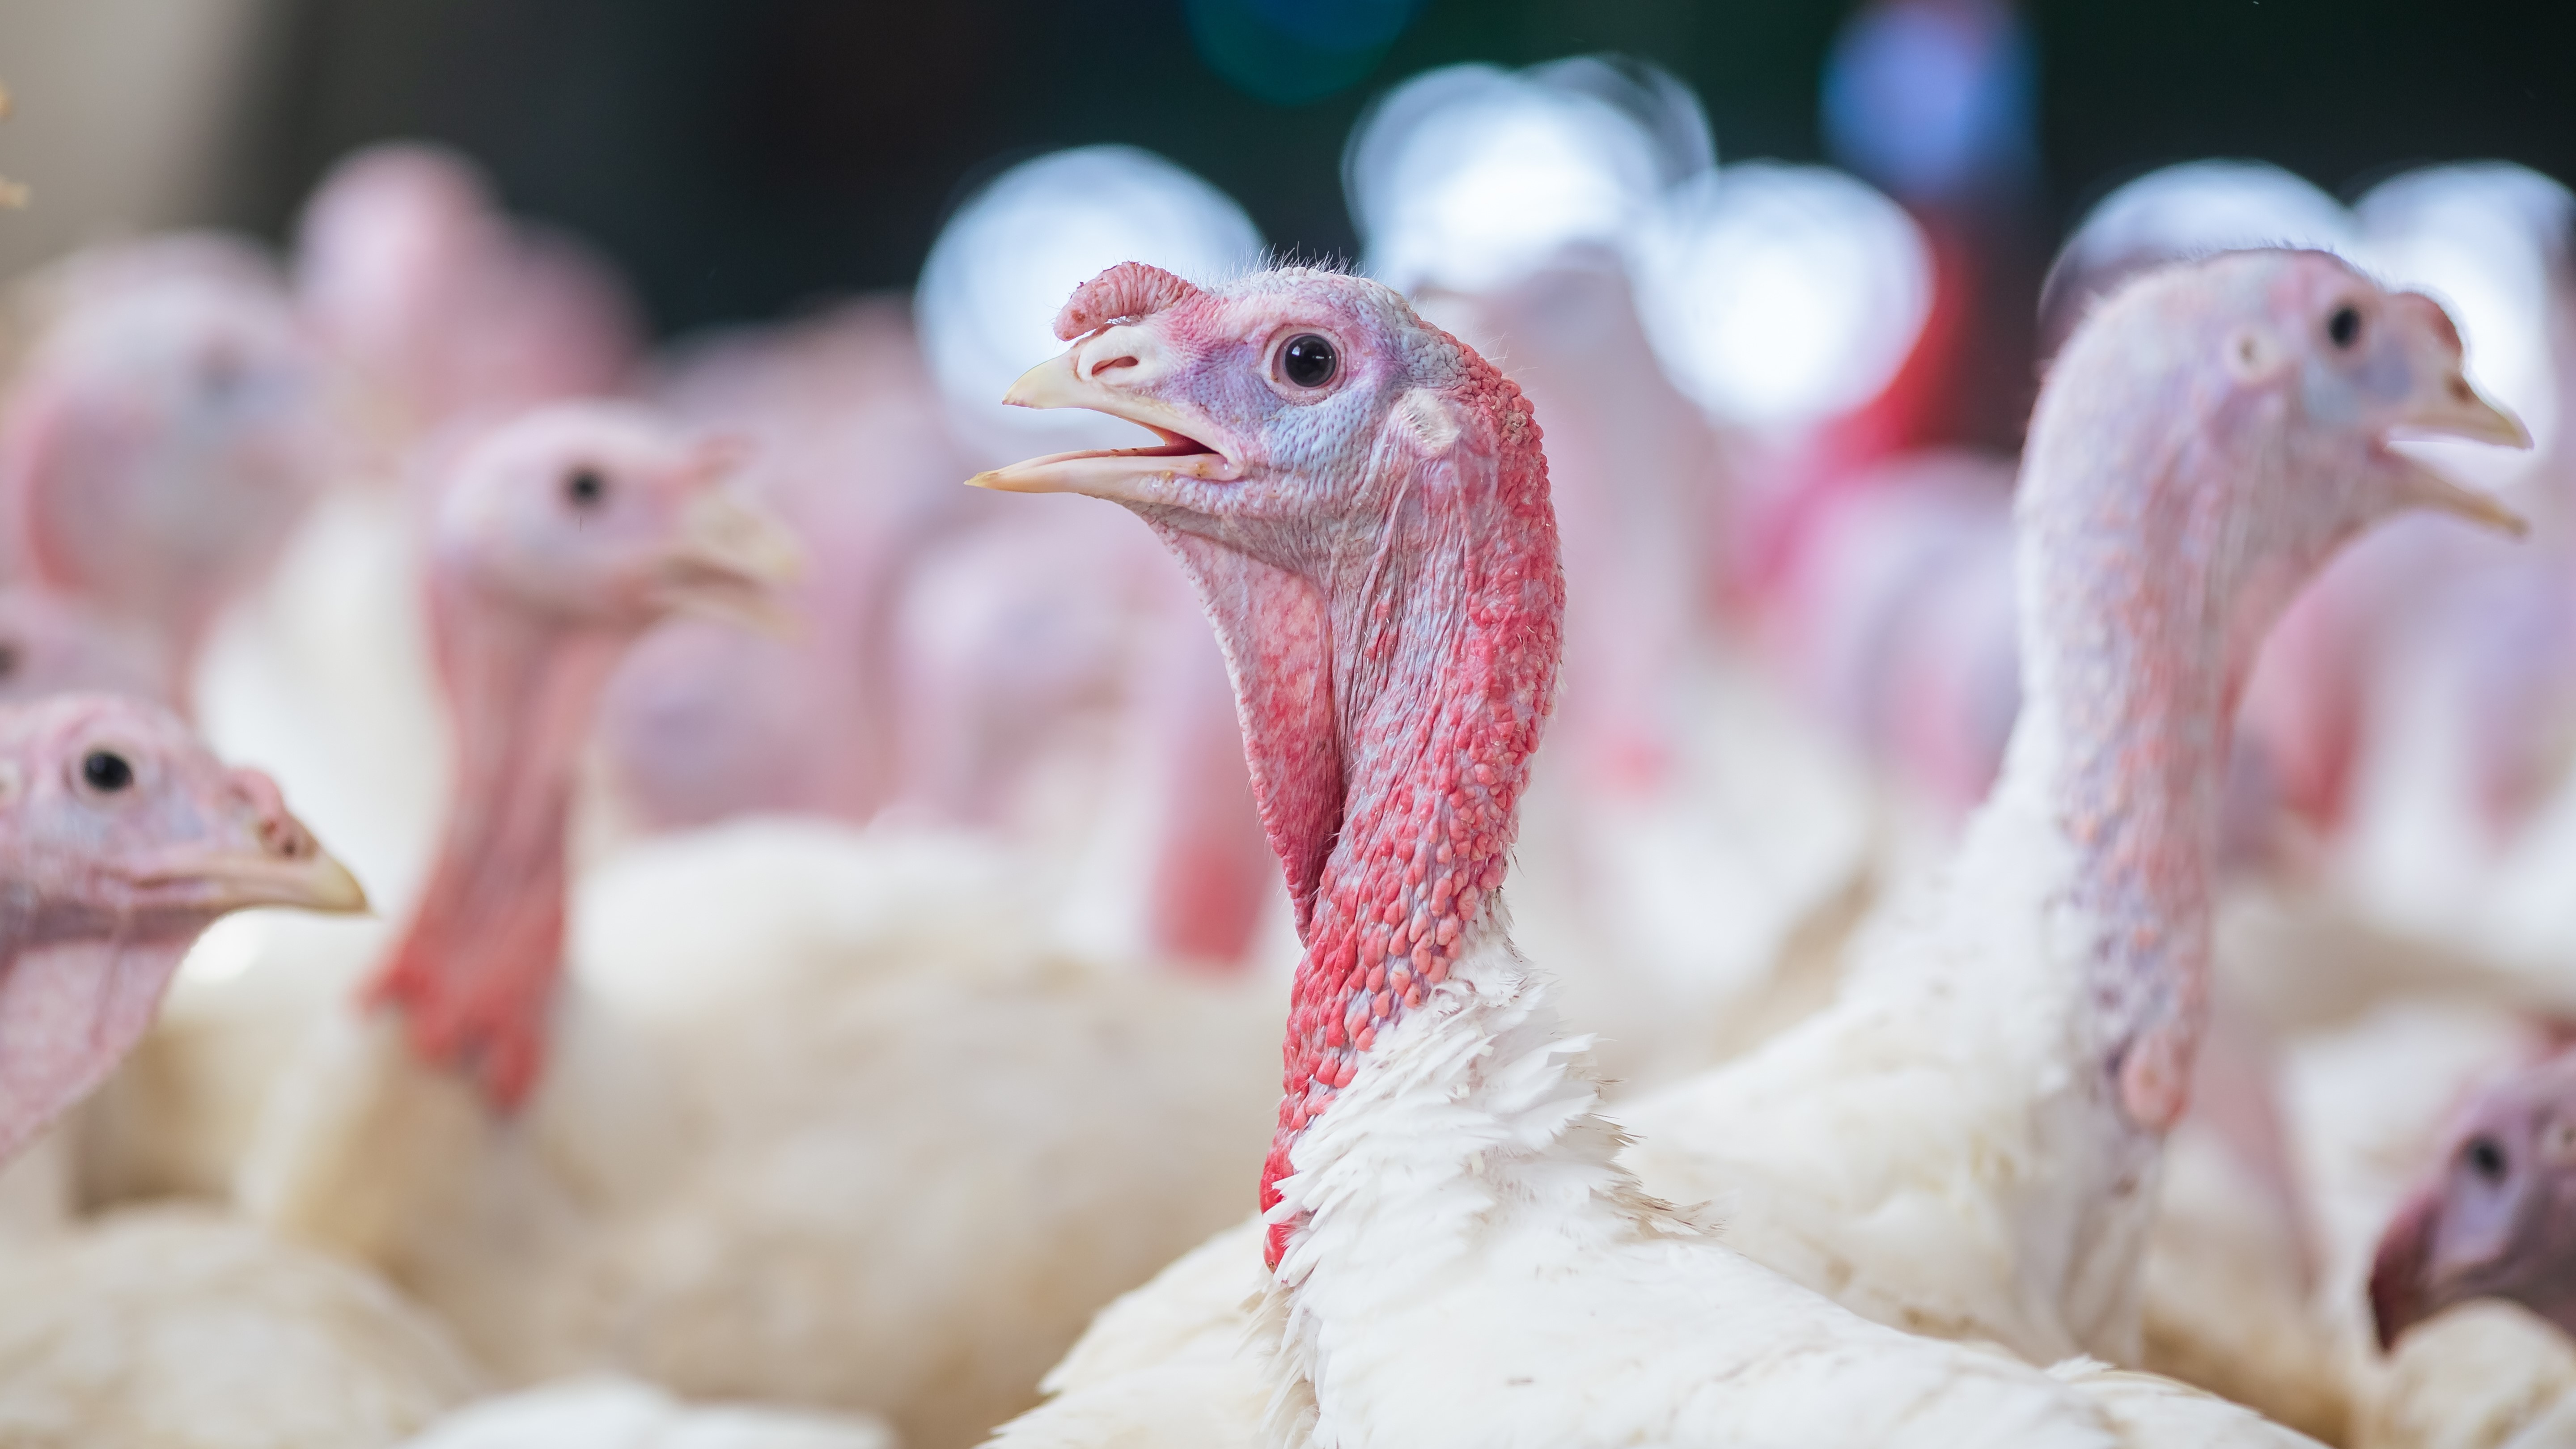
pixel 1455 1255
pixel 446 310
pixel 892 1165
pixel 170 1328
pixel 166 427
pixel 2486 1220
pixel 2016 1039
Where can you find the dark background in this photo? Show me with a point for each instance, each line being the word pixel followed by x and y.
pixel 739 156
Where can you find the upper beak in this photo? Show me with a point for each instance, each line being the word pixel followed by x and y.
pixel 2396 1290
pixel 236 879
pixel 1106 473
pixel 2457 410
pixel 729 561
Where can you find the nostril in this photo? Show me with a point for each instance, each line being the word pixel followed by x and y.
pixel 281 836
pixel 2460 389
pixel 1098 368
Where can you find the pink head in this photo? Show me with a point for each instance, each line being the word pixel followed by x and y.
pixel 558 540
pixel 2206 440
pixel 380 250
pixel 121 839
pixel 168 426
pixel 442 304
pixel 2227 421
pixel 2496 1218
pixel 1362 503
pixel 602 517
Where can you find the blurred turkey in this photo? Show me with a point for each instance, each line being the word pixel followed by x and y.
pixel 890 1163
pixel 167 424
pixel 165 1328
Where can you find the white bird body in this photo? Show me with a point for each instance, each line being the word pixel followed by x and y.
pixel 607 1412
pixel 184 1329
pixel 1478 1269
pixel 826 1123
pixel 2005 1197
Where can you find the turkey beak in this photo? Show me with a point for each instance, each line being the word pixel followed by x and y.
pixel 1102 373
pixel 225 880
pixel 2421 487
pixel 2397 1296
pixel 2446 405
pixel 729 562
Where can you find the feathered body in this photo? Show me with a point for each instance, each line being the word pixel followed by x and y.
pixel 2015 1042
pixel 1457 1256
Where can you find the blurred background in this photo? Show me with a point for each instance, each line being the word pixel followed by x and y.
pixel 737 157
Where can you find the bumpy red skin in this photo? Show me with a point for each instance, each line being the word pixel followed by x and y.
pixel 1430 819
pixel 1391 691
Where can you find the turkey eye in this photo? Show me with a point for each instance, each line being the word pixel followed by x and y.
pixel 106 771
pixel 1309 360
pixel 585 488
pixel 2485 1157
pixel 2344 327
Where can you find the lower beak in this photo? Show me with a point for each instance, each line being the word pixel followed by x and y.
pixel 232 880
pixel 729 562
pixel 2457 410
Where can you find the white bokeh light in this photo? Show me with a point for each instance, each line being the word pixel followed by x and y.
pixel 1467 178
pixel 1010 257
pixel 1779 295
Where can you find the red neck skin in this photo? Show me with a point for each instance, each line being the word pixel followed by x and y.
pixel 2148 607
pixel 475 971
pixel 1416 684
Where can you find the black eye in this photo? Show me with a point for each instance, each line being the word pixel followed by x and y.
pixel 2344 327
pixel 2485 1157
pixel 106 771
pixel 585 487
pixel 1309 360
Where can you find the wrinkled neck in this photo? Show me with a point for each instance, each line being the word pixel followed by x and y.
pixel 2137 627
pixel 77 992
pixel 521 696
pixel 1444 680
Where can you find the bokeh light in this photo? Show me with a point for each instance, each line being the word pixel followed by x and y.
pixel 1011 255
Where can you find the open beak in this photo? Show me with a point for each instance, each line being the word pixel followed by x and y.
pixel 237 879
pixel 2458 410
pixel 1113 473
pixel 729 562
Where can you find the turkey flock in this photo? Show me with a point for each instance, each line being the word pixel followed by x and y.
pixel 563 894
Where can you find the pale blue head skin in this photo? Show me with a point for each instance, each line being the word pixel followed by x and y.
pixel 1291 464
